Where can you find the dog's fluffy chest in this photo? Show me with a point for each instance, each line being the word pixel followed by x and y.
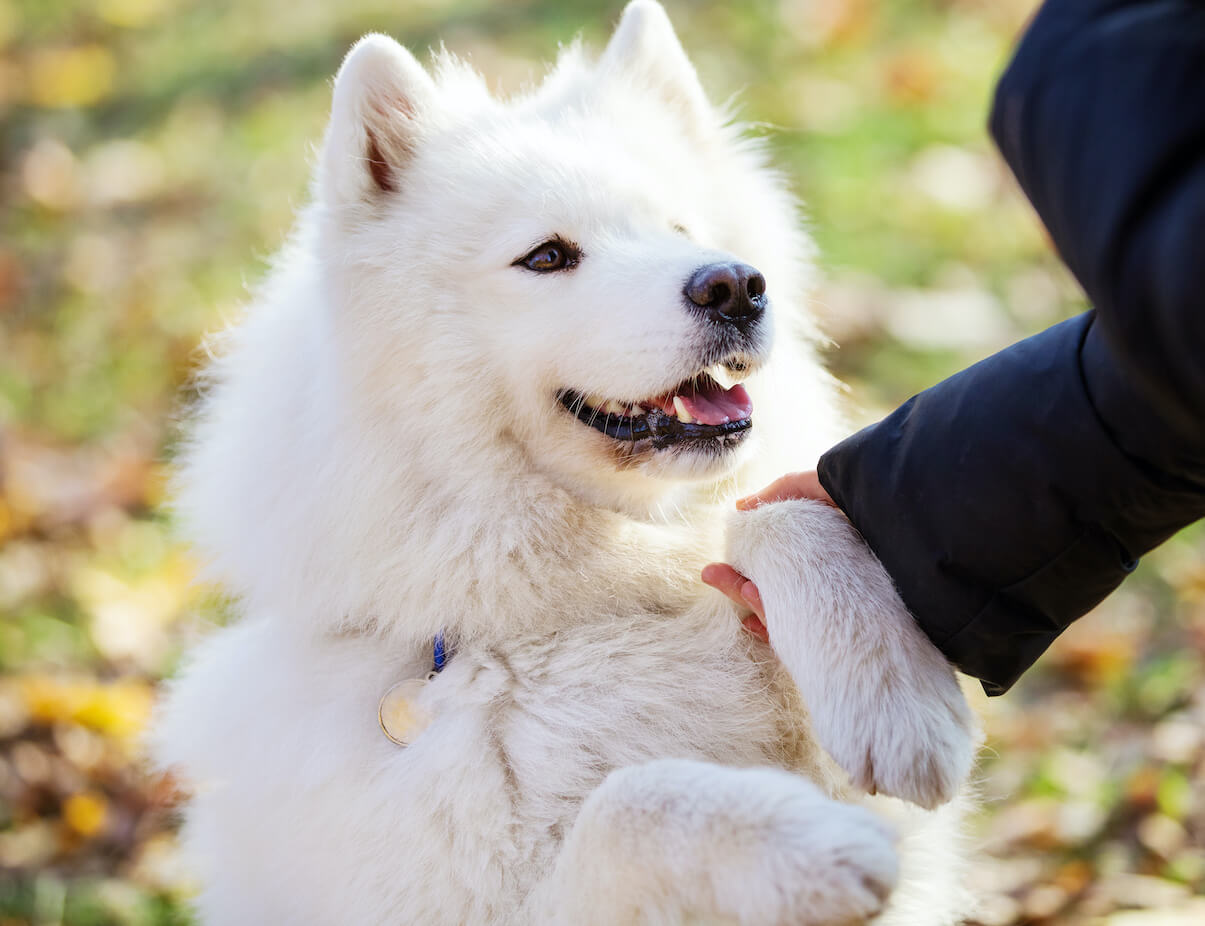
pixel 589 699
pixel 555 710
pixel 523 732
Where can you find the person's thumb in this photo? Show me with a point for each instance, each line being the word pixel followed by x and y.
pixel 792 485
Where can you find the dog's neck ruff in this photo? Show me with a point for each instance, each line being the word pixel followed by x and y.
pixel 401 714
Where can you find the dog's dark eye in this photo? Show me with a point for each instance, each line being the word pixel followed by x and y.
pixel 550 256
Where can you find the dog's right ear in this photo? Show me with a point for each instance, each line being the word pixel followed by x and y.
pixel 381 96
pixel 646 49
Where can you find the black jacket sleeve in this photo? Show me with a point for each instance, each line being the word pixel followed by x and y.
pixel 1009 499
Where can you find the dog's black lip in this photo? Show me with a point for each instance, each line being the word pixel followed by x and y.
pixel 728 343
pixel 662 429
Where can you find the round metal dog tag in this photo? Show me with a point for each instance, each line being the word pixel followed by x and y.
pixel 400 715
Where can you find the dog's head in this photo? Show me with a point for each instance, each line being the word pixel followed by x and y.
pixel 591 269
pixel 575 286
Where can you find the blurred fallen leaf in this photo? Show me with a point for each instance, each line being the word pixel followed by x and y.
pixel 911 77
pixel 48 174
pixel 1191 914
pixel 1142 786
pixel 1161 835
pixel 1074 876
pixel 86 813
pixel 29 845
pixel 1043 901
pixel 1078 822
pixel 122 171
pixel 129 616
pixel 1175 795
pixel 131 14
pixel 1188 865
pixel 1178 739
pixel 119 709
pixel 77 76
pixel 1095 655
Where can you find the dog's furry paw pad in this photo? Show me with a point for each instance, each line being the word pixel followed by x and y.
pixel 911 735
pixel 851 868
pixel 688 840
pixel 883 701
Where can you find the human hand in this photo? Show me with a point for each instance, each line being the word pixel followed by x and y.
pixel 739 589
pixel 743 593
pixel 883 700
pixel 792 485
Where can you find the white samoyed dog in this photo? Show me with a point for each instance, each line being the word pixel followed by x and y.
pixel 488 417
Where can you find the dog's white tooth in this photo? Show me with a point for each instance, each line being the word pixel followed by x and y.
pixel 595 401
pixel 635 411
pixel 722 375
pixel 613 408
pixel 680 408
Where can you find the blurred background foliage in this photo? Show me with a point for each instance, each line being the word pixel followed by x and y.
pixel 152 154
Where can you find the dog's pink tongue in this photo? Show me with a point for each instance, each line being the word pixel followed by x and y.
pixel 715 405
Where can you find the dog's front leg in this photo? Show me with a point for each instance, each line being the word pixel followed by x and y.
pixel 678 841
pixel 883 701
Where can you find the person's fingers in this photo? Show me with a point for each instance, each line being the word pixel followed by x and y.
pixel 740 590
pixel 792 485
pixel 754 625
pixel 752 597
pixel 724 578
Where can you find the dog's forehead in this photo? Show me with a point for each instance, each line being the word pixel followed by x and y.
pixel 544 156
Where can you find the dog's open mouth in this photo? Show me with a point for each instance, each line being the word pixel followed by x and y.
pixel 698 410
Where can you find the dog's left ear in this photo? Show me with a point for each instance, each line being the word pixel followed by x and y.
pixel 646 50
pixel 382 99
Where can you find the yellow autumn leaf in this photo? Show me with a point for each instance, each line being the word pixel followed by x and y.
pixel 130 14
pixel 49 700
pixel 129 616
pixel 79 76
pixel 86 812
pixel 119 709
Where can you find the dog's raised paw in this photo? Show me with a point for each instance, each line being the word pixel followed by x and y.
pixel 883 700
pixel 848 868
pixel 759 847
pixel 909 735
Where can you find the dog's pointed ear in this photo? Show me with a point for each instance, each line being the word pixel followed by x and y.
pixel 645 48
pixel 382 95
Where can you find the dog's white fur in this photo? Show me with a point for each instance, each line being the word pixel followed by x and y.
pixel 381 457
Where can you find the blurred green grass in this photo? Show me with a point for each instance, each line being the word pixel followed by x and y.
pixel 152 154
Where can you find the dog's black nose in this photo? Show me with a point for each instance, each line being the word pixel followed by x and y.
pixel 730 292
